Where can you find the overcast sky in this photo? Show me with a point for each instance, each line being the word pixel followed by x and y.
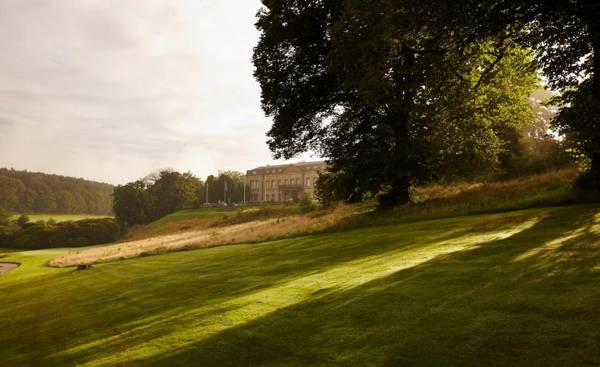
pixel 112 90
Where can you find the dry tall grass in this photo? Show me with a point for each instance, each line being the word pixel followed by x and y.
pixel 438 201
pixel 547 189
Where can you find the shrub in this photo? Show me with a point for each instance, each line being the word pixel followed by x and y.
pixel 306 204
pixel 23 220
pixel 3 216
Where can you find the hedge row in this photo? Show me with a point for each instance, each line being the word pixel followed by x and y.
pixel 65 234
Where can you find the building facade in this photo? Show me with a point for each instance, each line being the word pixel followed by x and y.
pixel 283 182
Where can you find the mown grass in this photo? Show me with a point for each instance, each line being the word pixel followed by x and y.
pixel 516 288
pixel 60 217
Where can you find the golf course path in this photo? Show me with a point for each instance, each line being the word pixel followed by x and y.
pixel 6 267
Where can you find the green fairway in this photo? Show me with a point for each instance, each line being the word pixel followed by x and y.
pixel 512 289
pixel 60 217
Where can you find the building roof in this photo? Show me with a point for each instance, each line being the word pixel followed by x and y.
pixel 281 166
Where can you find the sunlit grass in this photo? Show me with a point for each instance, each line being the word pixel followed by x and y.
pixel 454 291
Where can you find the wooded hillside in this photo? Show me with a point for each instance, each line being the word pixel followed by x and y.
pixel 33 192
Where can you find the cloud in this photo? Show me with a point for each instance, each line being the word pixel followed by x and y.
pixel 113 89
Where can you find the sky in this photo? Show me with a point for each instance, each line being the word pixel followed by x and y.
pixel 112 90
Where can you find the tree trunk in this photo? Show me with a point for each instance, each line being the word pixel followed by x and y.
pixel 398 194
pixel 399 164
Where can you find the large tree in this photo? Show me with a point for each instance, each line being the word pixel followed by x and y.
pixel 379 86
pixel 155 196
pixel 174 191
pixel 133 204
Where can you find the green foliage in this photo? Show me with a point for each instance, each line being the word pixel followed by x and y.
pixel 173 191
pixel 227 186
pixel 64 234
pixel 132 203
pixel 22 221
pixel 31 192
pixel 473 140
pixel 4 216
pixel 565 36
pixel 146 200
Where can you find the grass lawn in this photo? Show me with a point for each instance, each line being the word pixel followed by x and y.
pixel 60 217
pixel 518 288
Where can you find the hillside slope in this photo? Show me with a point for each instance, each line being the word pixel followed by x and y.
pixel 517 288
pixel 208 227
pixel 34 192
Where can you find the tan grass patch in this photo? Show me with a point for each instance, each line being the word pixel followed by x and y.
pixel 254 231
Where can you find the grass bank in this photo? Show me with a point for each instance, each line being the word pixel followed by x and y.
pixel 516 288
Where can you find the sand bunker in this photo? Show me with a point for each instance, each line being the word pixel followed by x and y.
pixel 6 267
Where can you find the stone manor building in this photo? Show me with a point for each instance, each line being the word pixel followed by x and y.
pixel 283 182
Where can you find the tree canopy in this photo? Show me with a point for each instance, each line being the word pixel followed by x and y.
pixel 155 196
pixel 391 92
pixel 33 192
pixel 564 36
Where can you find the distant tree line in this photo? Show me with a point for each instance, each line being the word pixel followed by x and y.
pixel 167 191
pixel 32 192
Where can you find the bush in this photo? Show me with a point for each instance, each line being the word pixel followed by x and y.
pixel 3 216
pixel 23 220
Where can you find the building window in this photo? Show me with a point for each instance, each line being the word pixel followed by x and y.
pixel 307 182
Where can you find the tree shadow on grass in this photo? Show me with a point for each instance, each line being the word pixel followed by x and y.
pixel 530 299
pixel 305 260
